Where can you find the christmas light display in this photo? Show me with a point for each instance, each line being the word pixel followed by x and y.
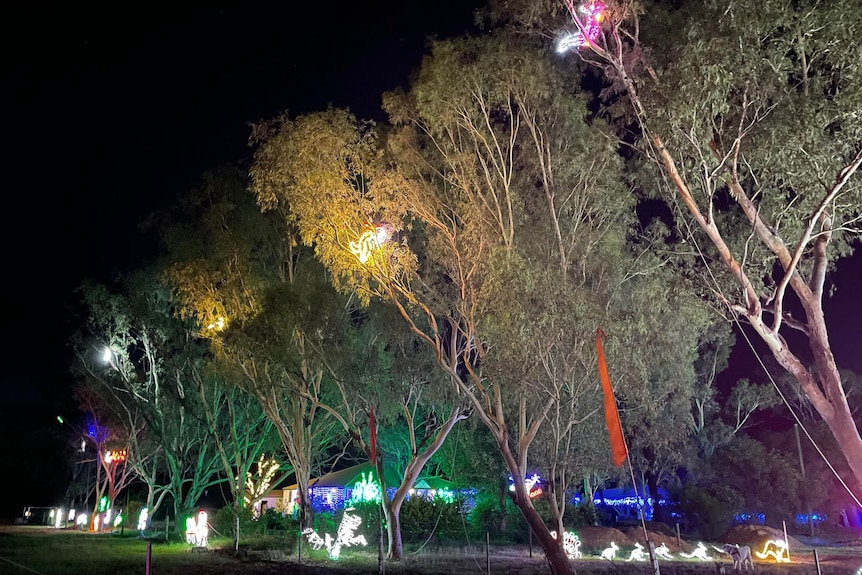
pixel 143 518
pixel 663 552
pixel 775 548
pixel 256 486
pixel 637 554
pixel 700 552
pixel 571 544
pixel 365 490
pixel 344 538
pixel 58 518
pixel 610 553
pixel 532 483
pixel 116 455
pixel 369 240
pixel 81 520
pixel 197 531
pixel 593 12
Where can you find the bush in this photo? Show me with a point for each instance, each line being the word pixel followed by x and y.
pixel 421 517
pixel 708 512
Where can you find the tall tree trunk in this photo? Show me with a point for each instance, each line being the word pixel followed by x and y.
pixel 393 529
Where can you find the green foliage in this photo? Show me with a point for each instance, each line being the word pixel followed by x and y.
pixel 707 511
pixel 501 524
pixel 423 518
pixel 581 515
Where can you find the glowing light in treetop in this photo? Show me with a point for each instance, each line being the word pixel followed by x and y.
pixel 344 538
pixel 593 14
pixel 368 241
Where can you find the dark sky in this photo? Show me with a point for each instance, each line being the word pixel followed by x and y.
pixel 116 111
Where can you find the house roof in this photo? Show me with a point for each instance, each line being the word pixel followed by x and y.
pixel 351 475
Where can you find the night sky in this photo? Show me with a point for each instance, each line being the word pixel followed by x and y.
pixel 114 112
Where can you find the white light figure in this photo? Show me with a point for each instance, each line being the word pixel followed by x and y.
pixel 663 552
pixel 777 548
pixel 571 544
pixel 143 518
pixel 637 554
pixel 611 552
pixel 191 530
pixel 106 522
pixel 344 538
pixel 58 519
pixel 81 520
pixel 368 241
pixel 202 532
pixel 71 515
pixel 700 553
pixel 118 519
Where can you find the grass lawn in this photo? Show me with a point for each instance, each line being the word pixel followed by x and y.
pixel 43 551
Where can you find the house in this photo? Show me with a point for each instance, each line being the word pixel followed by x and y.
pixel 332 491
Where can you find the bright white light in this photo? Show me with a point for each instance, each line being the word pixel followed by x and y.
pixel 58 520
pixel 610 552
pixel 568 41
pixel 637 554
pixel 143 517
pixel 345 537
pixel 776 548
pixel 663 552
pixel 700 553
pixel 81 520
pixel 107 355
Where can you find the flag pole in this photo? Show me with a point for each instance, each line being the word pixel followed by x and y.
pixel 619 445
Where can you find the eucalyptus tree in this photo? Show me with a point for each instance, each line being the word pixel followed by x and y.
pixel 143 360
pixel 263 307
pixel 494 219
pixel 749 113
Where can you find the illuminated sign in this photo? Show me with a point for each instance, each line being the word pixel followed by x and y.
pixel 115 455
pixel 533 485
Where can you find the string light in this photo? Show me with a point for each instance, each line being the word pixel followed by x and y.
pixel 368 241
pixel 700 553
pixel 663 552
pixel 345 536
pixel 593 14
pixel 777 548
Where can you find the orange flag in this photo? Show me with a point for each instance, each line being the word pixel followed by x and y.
pixel 612 416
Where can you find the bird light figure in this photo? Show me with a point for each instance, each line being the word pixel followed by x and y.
pixel 775 548
pixel 700 552
pixel 663 552
pixel 637 554
pixel 344 538
pixel 611 552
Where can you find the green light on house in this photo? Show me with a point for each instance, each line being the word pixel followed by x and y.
pixel 365 490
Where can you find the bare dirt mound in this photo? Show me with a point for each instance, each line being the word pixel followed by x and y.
pixel 756 535
pixel 595 537
pixel 637 534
